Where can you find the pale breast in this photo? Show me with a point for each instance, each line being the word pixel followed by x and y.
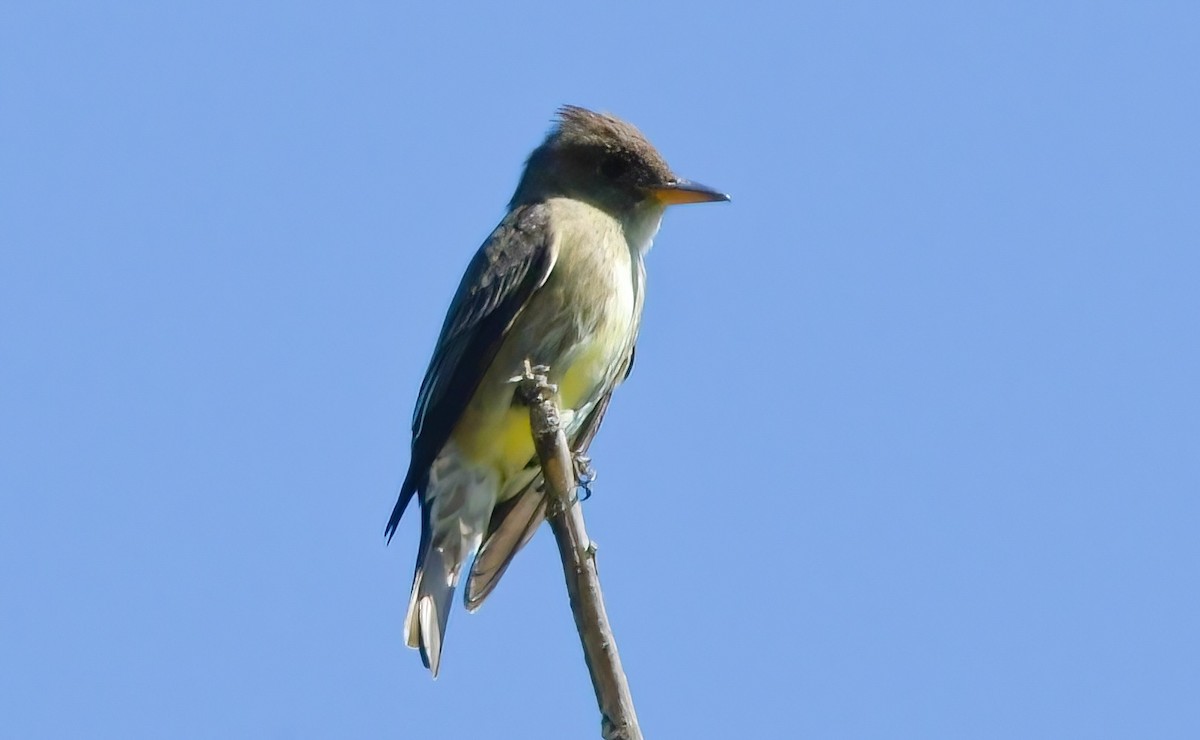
pixel 596 284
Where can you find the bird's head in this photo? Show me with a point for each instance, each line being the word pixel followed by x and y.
pixel 605 161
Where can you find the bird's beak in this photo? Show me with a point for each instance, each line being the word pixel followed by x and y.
pixel 684 191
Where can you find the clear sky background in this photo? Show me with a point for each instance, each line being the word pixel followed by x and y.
pixel 912 447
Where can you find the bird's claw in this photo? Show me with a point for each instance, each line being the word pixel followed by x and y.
pixel 538 374
pixel 585 474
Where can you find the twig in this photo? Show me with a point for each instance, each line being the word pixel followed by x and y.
pixel 618 721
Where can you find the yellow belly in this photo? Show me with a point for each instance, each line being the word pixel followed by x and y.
pixel 504 440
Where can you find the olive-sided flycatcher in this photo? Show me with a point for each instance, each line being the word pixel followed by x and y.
pixel 560 283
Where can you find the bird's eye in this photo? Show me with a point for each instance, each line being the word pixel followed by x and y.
pixel 614 167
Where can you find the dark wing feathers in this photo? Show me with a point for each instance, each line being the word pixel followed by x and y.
pixel 514 262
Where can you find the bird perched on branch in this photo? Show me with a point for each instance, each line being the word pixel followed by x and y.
pixel 559 283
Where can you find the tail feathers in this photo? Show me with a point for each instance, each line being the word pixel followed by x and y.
pixel 517 524
pixel 432 597
pixel 429 607
pixel 455 509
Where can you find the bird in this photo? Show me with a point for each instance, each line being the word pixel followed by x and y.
pixel 559 283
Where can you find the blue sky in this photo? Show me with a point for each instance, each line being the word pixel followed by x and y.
pixel 912 448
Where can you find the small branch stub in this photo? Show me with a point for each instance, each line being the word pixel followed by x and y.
pixel 618 719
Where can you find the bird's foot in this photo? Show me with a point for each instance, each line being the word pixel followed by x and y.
pixel 535 378
pixel 585 474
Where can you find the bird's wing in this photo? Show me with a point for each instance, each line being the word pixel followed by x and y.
pixel 515 521
pixel 514 262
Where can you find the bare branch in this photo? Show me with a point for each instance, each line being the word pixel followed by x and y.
pixel 618 719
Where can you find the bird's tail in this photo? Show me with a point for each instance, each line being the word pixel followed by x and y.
pixel 457 522
pixel 429 605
